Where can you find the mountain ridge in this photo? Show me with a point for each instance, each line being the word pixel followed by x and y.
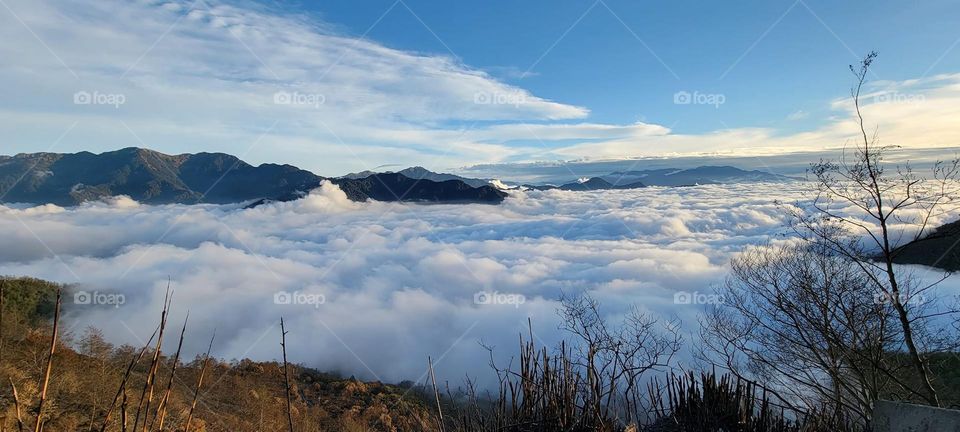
pixel 936 249
pixel 153 177
pixel 421 173
pixel 588 184
pixel 219 178
pixel 704 174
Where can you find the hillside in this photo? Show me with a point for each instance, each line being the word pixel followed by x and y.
pixel 940 248
pixel 243 395
pixel 236 396
pixel 397 187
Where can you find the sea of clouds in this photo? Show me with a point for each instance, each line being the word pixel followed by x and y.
pixel 371 289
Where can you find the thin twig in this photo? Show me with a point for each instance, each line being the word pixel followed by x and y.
pixel 196 391
pixel 123 412
pixel 46 376
pixel 3 286
pixel 162 407
pixel 16 405
pixel 148 383
pixel 286 378
pixel 436 393
pixel 122 390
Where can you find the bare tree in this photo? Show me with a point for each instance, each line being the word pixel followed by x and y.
pixel 829 319
pixel 794 317
pixel 595 380
pixel 891 208
pixel 616 357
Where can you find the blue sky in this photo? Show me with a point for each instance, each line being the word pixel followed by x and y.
pixel 770 58
pixel 340 86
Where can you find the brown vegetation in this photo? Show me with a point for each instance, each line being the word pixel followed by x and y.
pixel 91 385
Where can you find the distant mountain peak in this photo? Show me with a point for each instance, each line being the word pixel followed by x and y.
pixel 421 173
pixel 706 174
pixel 152 177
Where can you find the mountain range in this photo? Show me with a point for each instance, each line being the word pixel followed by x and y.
pixel 694 176
pixel 156 178
pixel 666 177
pixel 421 173
pixel 587 184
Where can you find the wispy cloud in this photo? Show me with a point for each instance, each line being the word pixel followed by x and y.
pixel 798 115
pixel 189 75
pixel 202 74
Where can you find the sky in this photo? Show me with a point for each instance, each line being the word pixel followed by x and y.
pixel 342 86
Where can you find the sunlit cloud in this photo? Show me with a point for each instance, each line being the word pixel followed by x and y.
pixel 399 281
pixel 274 86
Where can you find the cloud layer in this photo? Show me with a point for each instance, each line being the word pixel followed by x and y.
pixel 399 281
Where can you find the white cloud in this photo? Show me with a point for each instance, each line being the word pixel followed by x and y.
pixel 561 132
pixel 209 76
pixel 399 280
pixel 206 77
pixel 798 115
pixel 916 113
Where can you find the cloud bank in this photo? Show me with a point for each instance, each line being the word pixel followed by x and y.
pixel 398 282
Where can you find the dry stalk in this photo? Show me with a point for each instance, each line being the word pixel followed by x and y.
pixel 122 390
pixel 162 406
pixel 436 393
pixel 123 412
pixel 3 285
pixel 196 391
pixel 16 405
pixel 286 378
pixel 46 375
pixel 154 366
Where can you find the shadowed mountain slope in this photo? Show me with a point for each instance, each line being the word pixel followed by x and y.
pixel 940 248
pixel 156 178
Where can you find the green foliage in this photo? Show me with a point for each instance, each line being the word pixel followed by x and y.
pixel 944 372
pixel 29 300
